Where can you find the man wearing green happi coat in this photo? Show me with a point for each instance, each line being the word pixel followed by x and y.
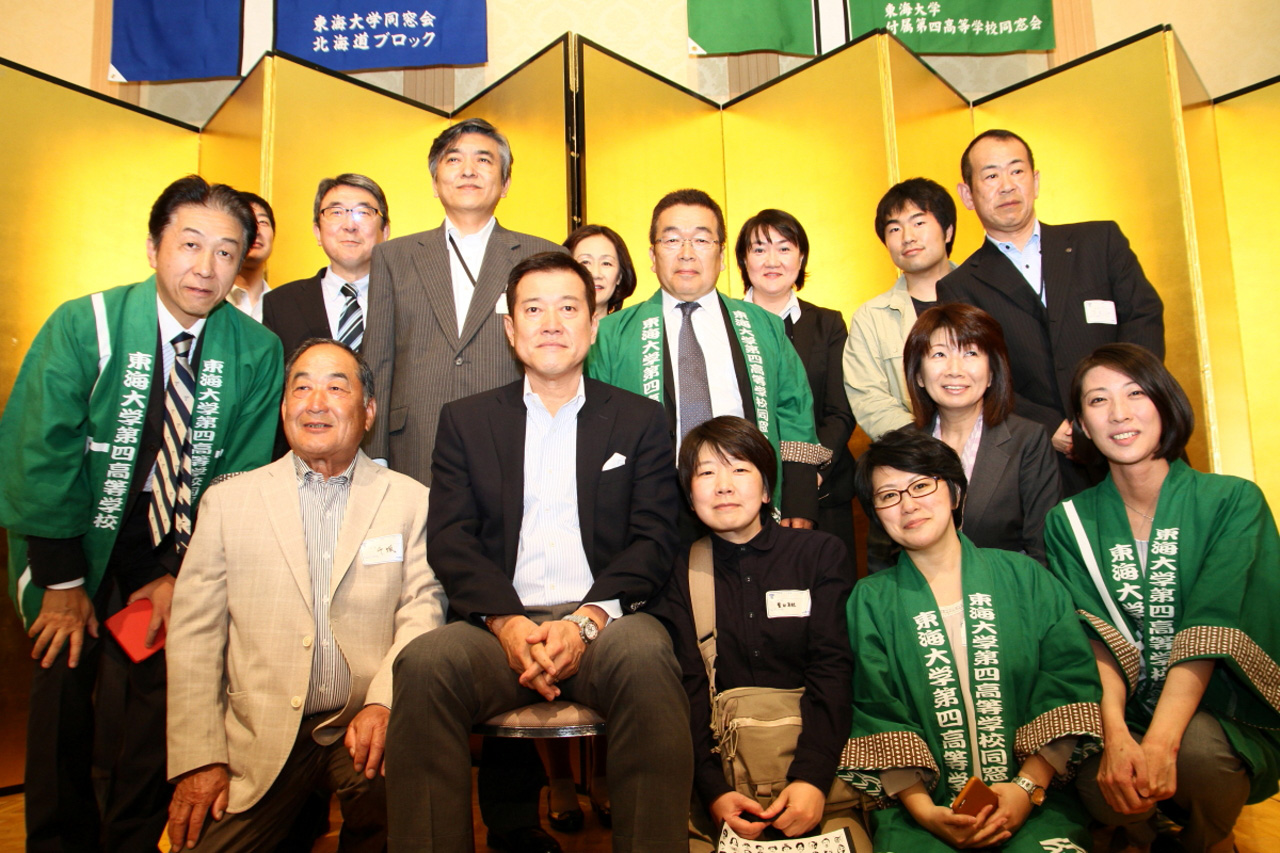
pixel 128 404
pixel 738 352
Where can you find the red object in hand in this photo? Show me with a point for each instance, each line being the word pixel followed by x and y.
pixel 129 627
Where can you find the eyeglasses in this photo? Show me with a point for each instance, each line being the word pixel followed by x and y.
pixel 917 489
pixel 357 214
pixel 671 245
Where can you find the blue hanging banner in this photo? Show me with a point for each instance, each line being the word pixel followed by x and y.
pixel 353 35
pixel 164 40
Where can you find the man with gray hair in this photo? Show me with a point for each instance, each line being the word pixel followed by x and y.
pixel 435 335
pixel 350 218
pixel 436 299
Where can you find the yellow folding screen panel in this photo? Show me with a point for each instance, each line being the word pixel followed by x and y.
pixel 233 141
pixel 528 107
pixel 1106 134
pixel 639 138
pixel 814 144
pixel 81 173
pixel 1248 125
pixel 930 125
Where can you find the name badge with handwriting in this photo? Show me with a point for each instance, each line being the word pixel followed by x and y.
pixel 383 549
pixel 781 603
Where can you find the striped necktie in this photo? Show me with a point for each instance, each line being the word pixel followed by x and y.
pixel 171 481
pixel 351 326
pixel 695 390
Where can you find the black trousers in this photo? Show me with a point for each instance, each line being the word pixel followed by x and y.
pixel 109 703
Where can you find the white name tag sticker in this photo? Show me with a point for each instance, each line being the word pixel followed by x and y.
pixel 1100 311
pixel 781 603
pixel 500 306
pixel 383 549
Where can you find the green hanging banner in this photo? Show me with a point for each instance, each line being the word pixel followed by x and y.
pixel 959 26
pixel 737 26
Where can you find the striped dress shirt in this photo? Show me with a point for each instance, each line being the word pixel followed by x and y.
pixel 324 504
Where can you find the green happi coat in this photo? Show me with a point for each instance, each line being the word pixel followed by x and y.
pixel 74 422
pixel 1209 591
pixel 1032 677
pixel 631 344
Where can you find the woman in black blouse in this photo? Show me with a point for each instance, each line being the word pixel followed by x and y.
pixel 779 603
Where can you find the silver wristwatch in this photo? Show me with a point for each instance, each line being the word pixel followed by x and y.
pixel 586 627
pixel 1035 793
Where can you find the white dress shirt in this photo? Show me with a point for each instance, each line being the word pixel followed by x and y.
pixel 792 310
pixel 551 565
pixel 473 247
pixel 240 298
pixel 335 302
pixel 715 338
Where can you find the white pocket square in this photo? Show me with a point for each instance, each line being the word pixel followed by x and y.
pixel 617 460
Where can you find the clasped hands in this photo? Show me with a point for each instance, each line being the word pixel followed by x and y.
pixel 547 653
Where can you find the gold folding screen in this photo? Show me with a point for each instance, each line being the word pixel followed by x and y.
pixel 1248 125
pixel 1109 142
pixel 640 137
pixel 1125 134
pixel 80 174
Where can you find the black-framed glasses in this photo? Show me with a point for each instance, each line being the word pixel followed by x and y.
pixel 358 214
pixel 917 489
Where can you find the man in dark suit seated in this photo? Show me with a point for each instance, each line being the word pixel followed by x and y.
pixel 1058 291
pixel 350 218
pixel 552 523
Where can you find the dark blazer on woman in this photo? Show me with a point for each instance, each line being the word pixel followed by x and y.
pixel 1015 483
pixel 819 340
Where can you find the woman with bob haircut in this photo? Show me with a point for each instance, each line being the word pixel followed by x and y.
pixel 961 387
pixel 1176 574
pixel 602 251
pixel 773 255
pixel 779 597
pixel 968 662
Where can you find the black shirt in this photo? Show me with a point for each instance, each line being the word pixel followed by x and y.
pixel 756 651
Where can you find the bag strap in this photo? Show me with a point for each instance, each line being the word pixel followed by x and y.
pixel 702 598
pixel 1091 563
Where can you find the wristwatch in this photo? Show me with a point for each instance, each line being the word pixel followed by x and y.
pixel 1035 793
pixel 586 627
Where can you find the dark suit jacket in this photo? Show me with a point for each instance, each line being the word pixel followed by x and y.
pixel 1080 262
pixel 296 312
pixel 1014 485
pixel 411 339
pixel 627 514
pixel 819 339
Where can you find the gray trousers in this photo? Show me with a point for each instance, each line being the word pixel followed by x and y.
pixel 1212 789
pixel 453 677
pixel 310 767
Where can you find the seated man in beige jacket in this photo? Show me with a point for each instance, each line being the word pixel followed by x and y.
pixel 304 580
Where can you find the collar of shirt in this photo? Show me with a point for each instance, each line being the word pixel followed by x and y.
pixel 169 329
pixel 306 473
pixel 969 454
pixel 793 305
pixel 332 282
pixel 1025 260
pixel 240 298
pixel 532 402
pixel 480 238
pixel 723 549
pixel 710 303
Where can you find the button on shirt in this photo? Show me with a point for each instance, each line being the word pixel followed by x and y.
pixel 1026 260
pixel 551 565
pixel 335 302
pixel 473 247
pixel 324 504
pixel 714 337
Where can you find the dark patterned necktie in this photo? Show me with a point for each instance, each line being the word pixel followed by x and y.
pixel 695 391
pixel 171 483
pixel 351 325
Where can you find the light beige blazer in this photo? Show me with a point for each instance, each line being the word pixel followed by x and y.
pixel 241 635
